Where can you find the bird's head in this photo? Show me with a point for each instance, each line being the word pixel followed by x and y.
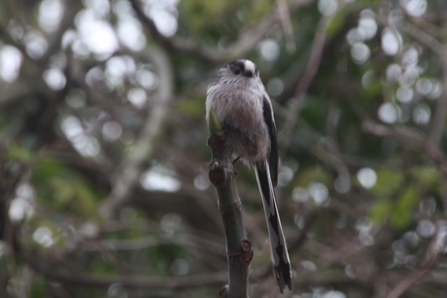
pixel 242 67
pixel 240 71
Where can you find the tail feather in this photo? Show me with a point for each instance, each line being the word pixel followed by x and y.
pixel 279 253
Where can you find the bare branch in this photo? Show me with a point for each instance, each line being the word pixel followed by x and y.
pixel 150 241
pixel 411 134
pixel 418 34
pixel 438 123
pixel 127 175
pixel 424 38
pixel 437 246
pixel 6 37
pixel 239 251
pixel 246 42
pixel 134 281
pixel 286 24
pixel 67 21
pixel 294 103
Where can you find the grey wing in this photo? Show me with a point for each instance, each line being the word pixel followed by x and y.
pixel 273 158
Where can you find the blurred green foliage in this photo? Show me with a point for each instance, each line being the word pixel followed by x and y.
pixel 62 188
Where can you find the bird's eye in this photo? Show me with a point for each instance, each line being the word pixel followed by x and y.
pixel 237 71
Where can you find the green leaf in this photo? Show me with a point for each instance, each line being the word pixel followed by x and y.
pixel 213 122
pixel 194 107
pixel 337 22
pixel 428 176
pixel 39 286
pixel 388 181
pixel 62 188
pixel 404 207
pixel 400 212
pixel 16 152
pixel 312 174
pixel 381 211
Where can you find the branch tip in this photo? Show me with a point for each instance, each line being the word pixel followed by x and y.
pixel 223 292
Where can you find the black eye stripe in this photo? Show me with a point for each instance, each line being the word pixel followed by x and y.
pixel 248 74
pixel 238 67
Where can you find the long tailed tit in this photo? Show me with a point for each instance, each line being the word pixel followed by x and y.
pixel 244 109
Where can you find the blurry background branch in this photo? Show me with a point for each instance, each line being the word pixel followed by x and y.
pixel 246 43
pixel 307 76
pixel 128 173
pixel 439 118
pixel 436 247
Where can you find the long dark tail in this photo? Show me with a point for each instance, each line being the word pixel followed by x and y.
pixel 280 255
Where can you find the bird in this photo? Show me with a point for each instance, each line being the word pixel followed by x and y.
pixel 244 109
